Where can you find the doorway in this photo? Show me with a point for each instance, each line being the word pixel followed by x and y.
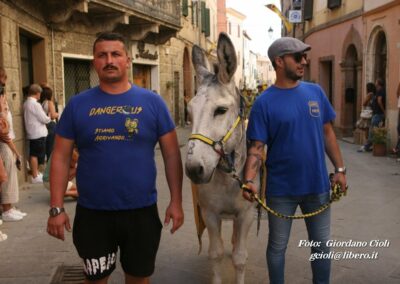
pixel 351 90
pixel 142 75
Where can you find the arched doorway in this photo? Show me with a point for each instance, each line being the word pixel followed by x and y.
pixel 187 81
pixel 380 58
pixel 351 82
pixel 351 90
pixel 377 55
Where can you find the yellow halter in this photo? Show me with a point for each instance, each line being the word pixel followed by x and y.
pixel 218 146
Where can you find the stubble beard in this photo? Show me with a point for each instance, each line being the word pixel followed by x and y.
pixel 292 75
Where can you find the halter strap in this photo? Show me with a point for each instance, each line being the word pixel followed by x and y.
pixel 209 141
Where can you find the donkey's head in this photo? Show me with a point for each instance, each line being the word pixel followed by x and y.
pixel 213 110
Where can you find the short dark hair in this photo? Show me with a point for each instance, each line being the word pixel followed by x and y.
pixel 371 88
pixel 380 82
pixel 110 36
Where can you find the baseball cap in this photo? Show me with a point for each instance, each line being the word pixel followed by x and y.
pixel 286 45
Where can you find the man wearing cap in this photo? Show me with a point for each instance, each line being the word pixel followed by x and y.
pixel 293 119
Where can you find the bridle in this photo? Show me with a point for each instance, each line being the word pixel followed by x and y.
pixel 219 145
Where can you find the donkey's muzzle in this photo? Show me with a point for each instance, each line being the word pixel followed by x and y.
pixel 196 173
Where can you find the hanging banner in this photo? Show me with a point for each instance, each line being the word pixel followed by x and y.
pixel 286 22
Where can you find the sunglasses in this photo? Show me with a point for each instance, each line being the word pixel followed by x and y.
pixel 298 56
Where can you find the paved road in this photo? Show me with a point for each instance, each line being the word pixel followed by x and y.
pixel 370 212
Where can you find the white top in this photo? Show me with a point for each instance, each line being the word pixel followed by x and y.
pixel 45 106
pixel 6 113
pixel 11 132
pixel 35 119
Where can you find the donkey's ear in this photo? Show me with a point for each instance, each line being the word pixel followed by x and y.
pixel 226 58
pixel 200 63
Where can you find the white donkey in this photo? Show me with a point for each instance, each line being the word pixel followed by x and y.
pixel 218 145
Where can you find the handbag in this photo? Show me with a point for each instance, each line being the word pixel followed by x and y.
pixel 366 113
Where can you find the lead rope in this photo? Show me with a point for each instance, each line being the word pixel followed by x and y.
pixel 336 194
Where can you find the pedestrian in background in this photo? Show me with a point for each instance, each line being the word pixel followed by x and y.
pixel 46 100
pixel 115 126
pixel 11 158
pixel 377 102
pixel 294 120
pixel 36 131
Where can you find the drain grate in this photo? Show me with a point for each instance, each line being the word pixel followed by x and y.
pixel 68 274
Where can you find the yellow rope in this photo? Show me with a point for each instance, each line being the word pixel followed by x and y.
pixel 335 196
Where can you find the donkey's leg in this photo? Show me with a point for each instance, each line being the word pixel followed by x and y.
pixel 239 255
pixel 216 249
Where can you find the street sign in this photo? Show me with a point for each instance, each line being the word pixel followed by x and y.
pixel 295 16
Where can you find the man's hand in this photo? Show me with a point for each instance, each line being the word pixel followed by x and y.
pixel 174 212
pixel 55 226
pixel 18 162
pixel 252 188
pixel 340 178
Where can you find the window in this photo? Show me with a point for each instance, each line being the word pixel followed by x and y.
pixel 79 75
pixel 205 19
pixel 334 4
pixel 229 28
pixel 308 9
pixel 185 8
pixel 238 31
pixel 26 60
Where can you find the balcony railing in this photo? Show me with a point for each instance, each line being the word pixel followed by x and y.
pixel 167 11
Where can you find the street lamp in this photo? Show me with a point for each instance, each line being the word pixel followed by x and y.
pixel 270 32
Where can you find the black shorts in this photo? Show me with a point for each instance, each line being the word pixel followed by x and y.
pixel 97 234
pixel 37 148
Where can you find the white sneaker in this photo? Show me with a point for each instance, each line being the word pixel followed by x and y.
pixel 37 179
pixel 18 212
pixel 3 237
pixel 10 216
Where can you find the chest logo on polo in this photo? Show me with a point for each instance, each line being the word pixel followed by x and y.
pixel 314 108
pixel 131 125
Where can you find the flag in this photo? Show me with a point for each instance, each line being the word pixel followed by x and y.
pixel 275 9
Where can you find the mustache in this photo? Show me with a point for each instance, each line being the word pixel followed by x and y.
pixel 110 67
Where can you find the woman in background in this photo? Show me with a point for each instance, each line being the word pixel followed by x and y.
pixel 46 100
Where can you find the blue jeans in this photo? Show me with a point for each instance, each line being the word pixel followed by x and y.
pixel 375 121
pixel 318 228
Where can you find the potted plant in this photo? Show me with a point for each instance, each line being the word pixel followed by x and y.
pixel 379 138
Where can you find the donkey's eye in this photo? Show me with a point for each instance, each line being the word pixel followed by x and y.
pixel 220 110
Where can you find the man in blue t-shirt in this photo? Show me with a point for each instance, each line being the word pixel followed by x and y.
pixel 115 127
pixel 293 119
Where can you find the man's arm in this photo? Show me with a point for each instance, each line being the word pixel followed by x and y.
pixel 60 163
pixel 40 114
pixel 380 103
pixel 334 154
pixel 173 171
pixel 254 161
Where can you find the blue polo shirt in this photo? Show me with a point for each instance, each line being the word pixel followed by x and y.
pixel 290 122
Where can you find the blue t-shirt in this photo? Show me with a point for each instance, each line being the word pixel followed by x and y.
pixel 116 136
pixel 290 122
